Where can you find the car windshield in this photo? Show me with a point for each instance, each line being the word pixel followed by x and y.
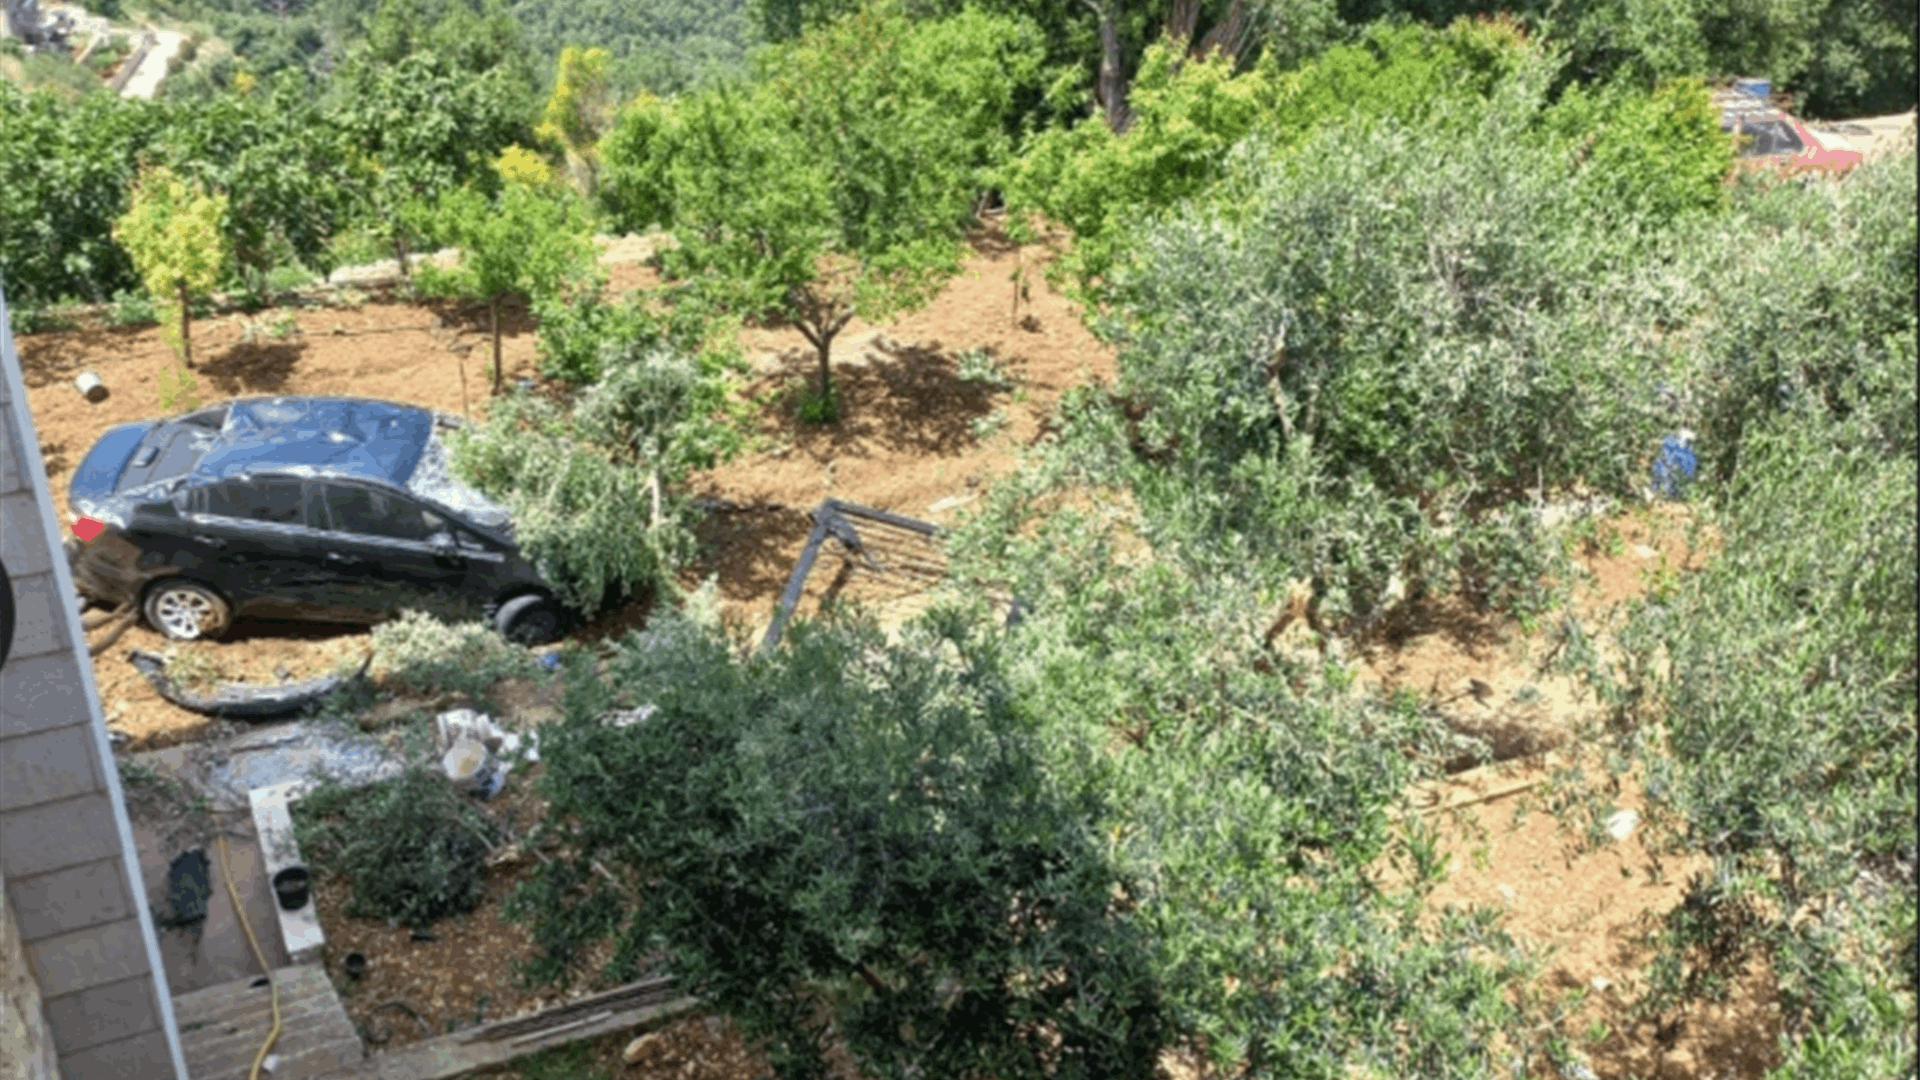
pixel 1766 138
pixel 433 479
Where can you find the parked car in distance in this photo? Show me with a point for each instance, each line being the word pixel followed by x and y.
pixel 309 508
pixel 1771 137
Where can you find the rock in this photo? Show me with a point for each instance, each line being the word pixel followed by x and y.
pixel 1620 823
pixel 1507 894
pixel 1601 985
pixel 631 1055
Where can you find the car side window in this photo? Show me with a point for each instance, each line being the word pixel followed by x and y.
pixel 277 501
pixel 371 512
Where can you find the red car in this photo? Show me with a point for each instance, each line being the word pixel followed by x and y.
pixel 1772 137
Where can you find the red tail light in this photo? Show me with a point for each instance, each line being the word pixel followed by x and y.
pixel 87 528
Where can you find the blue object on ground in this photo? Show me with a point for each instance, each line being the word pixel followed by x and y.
pixel 1753 87
pixel 1674 466
pixel 550 661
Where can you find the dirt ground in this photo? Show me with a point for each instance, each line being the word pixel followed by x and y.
pixel 919 440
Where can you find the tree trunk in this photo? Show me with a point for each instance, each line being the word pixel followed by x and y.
pixel 819 319
pixel 823 347
pixel 493 319
pixel 1109 91
pixel 186 345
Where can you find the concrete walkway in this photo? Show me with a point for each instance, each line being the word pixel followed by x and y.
pixel 152 71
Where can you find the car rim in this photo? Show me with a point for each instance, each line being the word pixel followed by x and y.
pixel 536 626
pixel 184 613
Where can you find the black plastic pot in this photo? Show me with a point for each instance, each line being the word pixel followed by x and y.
pixel 355 964
pixel 293 886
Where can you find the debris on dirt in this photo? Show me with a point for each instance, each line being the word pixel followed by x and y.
pixel 273 754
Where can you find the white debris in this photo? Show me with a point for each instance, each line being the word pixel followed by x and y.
pixel 456 724
pixel 627 717
pixel 1620 823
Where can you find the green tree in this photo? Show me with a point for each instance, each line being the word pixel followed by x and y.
pixel 273 153
pixel 526 242
pixel 841 181
pixel 419 127
pixel 66 167
pixel 578 112
pixel 172 230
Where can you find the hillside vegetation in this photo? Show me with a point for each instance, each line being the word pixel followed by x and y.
pixel 1387 299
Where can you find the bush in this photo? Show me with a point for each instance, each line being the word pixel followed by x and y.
pixel 412 849
pixel 1187 115
pixel 419 654
pixel 843 836
pixel 583 336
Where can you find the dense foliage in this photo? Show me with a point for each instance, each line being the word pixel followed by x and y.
pixel 65 168
pixel 412 848
pixel 1375 303
pixel 1771 697
pixel 1628 146
pixel 849 823
pixel 595 484
pixel 1838 57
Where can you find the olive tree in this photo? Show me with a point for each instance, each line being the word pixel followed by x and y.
pixel 842 842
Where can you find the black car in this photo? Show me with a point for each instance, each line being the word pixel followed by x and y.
pixel 326 509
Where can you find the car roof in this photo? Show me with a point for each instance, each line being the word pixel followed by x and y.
pixel 317 436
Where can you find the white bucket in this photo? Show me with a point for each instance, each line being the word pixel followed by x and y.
pixel 472 768
pixel 90 387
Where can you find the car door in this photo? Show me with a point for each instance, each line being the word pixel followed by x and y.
pixel 249 537
pixel 396 554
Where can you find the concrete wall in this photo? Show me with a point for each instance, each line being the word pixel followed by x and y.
pixel 67 856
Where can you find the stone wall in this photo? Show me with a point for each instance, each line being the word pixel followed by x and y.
pixel 26 1045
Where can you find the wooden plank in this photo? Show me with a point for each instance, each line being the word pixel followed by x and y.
pixel 222 1027
pixel 460 1054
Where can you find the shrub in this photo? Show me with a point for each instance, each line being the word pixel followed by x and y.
pixel 419 654
pixel 412 849
pixel 583 335
pixel 843 835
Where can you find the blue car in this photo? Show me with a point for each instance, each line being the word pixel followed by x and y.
pixel 311 508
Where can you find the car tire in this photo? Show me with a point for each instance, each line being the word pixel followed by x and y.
pixel 185 610
pixel 531 619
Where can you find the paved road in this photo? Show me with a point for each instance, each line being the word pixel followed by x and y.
pixel 153 69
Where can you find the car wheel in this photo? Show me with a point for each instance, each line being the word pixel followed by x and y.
pixel 185 611
pixel 528 620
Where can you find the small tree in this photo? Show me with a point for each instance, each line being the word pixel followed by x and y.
pixel 527 242
pixel 172 232
pixel 841 182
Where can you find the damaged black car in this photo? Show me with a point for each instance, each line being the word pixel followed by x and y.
pixel 309 508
